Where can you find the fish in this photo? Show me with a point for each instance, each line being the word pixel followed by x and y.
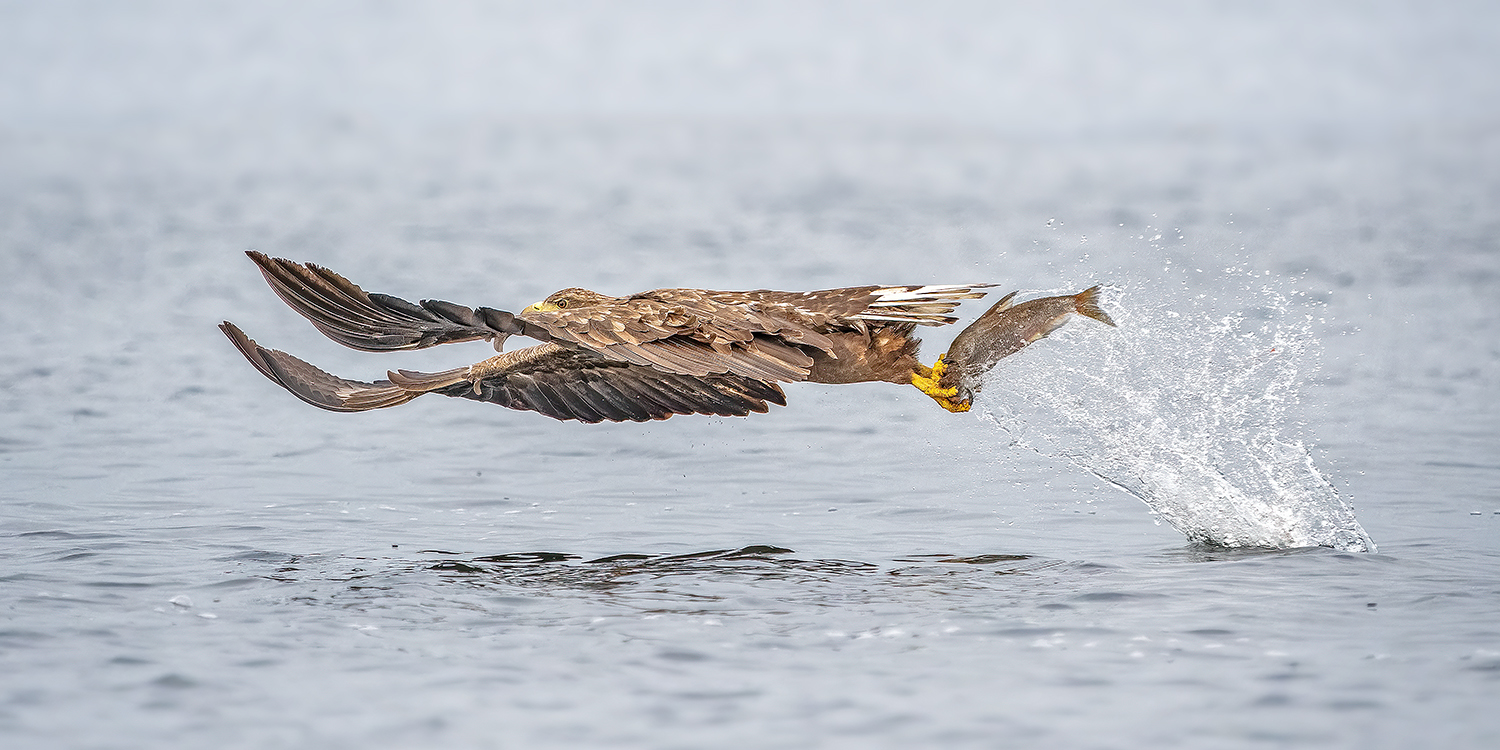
pixel 1003 330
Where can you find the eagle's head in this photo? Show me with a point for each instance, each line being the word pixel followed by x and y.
pixel 571 298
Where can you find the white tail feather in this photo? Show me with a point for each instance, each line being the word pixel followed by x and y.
pixel 921 293
pixel 929 320
pixel 924 305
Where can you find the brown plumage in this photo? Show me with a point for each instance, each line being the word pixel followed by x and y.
pixel 645 356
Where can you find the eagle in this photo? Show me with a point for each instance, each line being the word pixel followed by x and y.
pixel 646 356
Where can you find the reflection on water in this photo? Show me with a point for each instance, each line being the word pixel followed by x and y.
pixel 552 568
pixel 1213 553
pixel 559 570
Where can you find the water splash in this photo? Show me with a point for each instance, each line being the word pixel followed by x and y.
pixel 1186 407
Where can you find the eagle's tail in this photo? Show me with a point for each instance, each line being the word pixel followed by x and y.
pixel 923 305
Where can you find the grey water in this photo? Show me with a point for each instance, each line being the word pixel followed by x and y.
pixel 1264 511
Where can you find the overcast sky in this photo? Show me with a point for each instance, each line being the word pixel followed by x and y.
pixel 1029 67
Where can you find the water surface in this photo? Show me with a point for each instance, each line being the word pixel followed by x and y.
pixel 1305 357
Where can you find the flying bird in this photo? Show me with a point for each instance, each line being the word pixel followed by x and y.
pixel 645 356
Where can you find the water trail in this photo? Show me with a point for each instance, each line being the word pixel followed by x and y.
pixel 1185 406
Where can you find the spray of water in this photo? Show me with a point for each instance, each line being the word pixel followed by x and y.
pixel 1185 406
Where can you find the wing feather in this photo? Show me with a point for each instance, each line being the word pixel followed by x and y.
pixel 534 397
pixel 581 390
pixel 578 384
pixel 622 404
pixel 682 330
pixel 654 390
pixel 561 392
pixel 760 334
pixel 313 385
pixel 676 357
pixel 694 392
pixel 379 322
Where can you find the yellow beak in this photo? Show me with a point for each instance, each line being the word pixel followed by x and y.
pixel 541 307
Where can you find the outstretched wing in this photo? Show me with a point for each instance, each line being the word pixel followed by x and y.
pixel 379 322
pixel 559 382
pixel 315 386
pixel 757 334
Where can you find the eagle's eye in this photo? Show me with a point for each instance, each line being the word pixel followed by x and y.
pixel 562 304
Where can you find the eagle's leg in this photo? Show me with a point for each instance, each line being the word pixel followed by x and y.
pixel 926 380
pixel 475 374
pixel 422 382
pixel 478 371
pixel 503 363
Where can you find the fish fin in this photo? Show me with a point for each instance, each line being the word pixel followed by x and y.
pixel 1005 302
pixel 1086 303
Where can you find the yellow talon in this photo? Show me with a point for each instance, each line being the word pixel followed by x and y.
pixel 953 406
pixel 928 384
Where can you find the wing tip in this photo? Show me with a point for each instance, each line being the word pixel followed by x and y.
pixel 313 385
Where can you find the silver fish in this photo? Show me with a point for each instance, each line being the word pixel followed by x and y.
pixel 1002 331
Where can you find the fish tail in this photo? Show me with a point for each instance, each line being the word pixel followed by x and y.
pixel 1086 303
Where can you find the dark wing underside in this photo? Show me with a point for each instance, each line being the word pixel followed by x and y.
pixel 580 385
pixel 561 383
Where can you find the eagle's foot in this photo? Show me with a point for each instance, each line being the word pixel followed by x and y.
pixel 928 383
pixel 477 372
